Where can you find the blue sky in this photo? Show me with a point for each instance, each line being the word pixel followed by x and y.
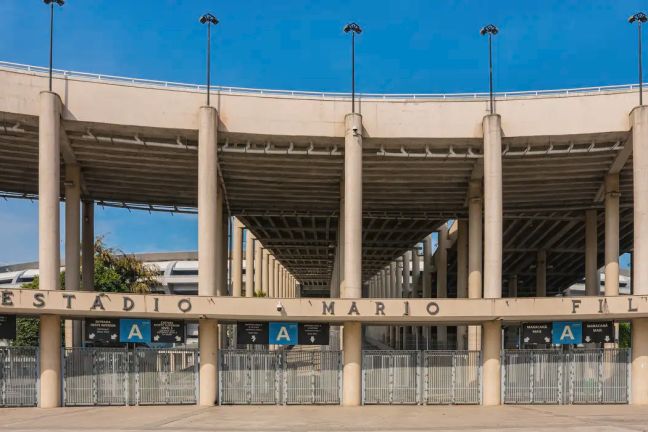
pixel 407 46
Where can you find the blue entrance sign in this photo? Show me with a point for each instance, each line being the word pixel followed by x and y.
pixel 567 333
pixel 135 330
pixel 283 333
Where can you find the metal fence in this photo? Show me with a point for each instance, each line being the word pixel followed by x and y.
pixel 19 376
pixel 581 376
pixel 280 377
pixel 421 377
pixel 113 376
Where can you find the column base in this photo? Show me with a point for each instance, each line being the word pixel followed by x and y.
pixel 352 369
pixel 639 376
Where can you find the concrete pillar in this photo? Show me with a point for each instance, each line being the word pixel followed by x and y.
pixel 282 291
pixel 612 234
pixel 208 343
pixel 271 278
pixel 399 295
pixel 639 123
pixel 265 273
pixel 258 267
pixel 591 245
pixel 427 267
pixel 352 285
pixel 249 264
pixel 72 242
pixel 416 272
pixel 493 212
pixel 442 279
pixel 513 286
pixel 224 249
pixel 392 294
pixel 541 273
pixel 209 265
pixel 475 240
pixel 492 346
pixel 237 258
pixel 407 259
pixel 49 180
pixel 276 279
pixel 462 276
pixel 87 260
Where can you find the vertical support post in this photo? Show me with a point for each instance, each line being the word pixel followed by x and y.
pixel 237 258
pixel 513 286
pixel 442 279
pixel 271 278
pixel 265 273
pixel 258 266
pixel 639 123
pixel 493 206
pixel 352 340
pixel 541 273
pixel 416 274
pixel 49 260
pixel 475 258
pixel 72 244
pixel 492 346
pixel 612 234
pixel 591 253
pixel 462 276
pixel 427 267
pixel 209 265
pixel 249 264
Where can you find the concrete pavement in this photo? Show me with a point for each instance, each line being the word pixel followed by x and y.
pixel 321 418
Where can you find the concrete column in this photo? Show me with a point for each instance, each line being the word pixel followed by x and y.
pixel 87 246
pixel 271 278
pixel 353 206
pixel 399 295
pixel 427 267
pixel 352 345
pixel 462 276
pixel 492 346
pixel 407 258
pixel 249 264
pixel 513 286
pixel 237 258
pixel 276 279
pixel 49 180
pixel 442 278
pixel 224 249
pixel 208 342
pixel 265 272
pixel 282 292
pixel 209 242
pixel 493 215
pixel 612 234
pixel 591 266
pixel 416 272
pixel 392 294
pixel 475 258
pixel 72 243
pixel 639 123
pixel 258 267
pixel 541 273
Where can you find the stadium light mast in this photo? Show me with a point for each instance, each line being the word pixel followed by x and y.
pixel 51 4
pixel 640 18
pixel 491 31
pixel 354 29
pixel 208 19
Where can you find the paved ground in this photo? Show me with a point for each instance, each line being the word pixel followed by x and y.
pixel 304 418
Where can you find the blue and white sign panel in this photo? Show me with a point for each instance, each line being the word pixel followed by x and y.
pixel 135 330
pixel 281 333
pixel 567 332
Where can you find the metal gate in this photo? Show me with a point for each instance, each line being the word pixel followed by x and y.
pixel 19 376
pixel 452 377
pixel 312 377
pixel 280 377
pixel 570 377
pixel 113 376
pixel 391 377
pixel 166 376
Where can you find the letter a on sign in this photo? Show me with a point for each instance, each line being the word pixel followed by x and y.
pixel 283 333
pixel 567 333
pixel 135 330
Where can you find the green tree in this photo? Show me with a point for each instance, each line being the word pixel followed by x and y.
pixel 115 271
pixel 625 335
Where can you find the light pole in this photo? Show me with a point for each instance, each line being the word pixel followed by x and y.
pixel 51 5
pixel 640 18
pixel 208 19
pixel 491 31
pixel 354 29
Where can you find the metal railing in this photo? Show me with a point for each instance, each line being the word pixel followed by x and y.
pixel 580 376
pixel 314 94
pixel 19 370
pixel 280 377
pixel 421 377
pixel 113 376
